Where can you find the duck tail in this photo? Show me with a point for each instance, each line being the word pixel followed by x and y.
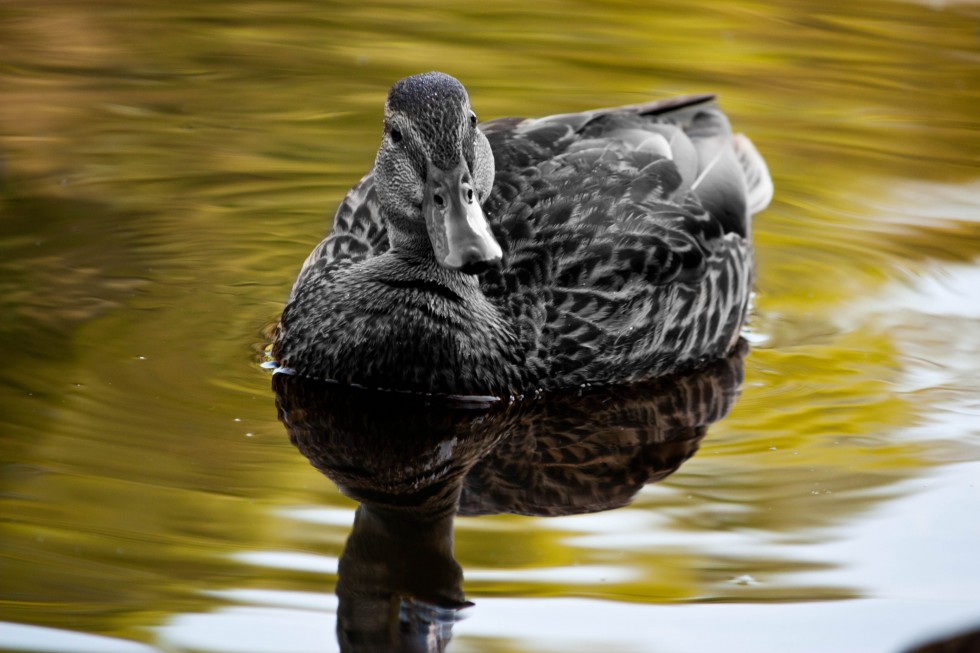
pixel 758 182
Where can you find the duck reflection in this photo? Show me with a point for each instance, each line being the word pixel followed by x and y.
pixel 415 462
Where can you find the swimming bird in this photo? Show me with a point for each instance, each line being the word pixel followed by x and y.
pixel 516 256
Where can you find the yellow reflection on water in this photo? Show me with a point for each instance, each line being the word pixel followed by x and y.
pixel 166 168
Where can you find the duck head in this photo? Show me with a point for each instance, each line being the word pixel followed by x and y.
pixel 433 172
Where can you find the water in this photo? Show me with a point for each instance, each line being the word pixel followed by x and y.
pixel 167 166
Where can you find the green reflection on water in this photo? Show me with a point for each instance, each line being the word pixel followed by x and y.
pixel 166 168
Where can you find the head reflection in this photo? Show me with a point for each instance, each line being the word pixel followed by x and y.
pixel 413 463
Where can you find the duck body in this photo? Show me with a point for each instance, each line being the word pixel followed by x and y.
pixel 517 256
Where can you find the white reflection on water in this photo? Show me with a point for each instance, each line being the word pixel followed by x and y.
pixel 245 629
pixel 951 291
pixel 321 516
pixel 37 639
pixel 315 601
pixel 896 550
pixel 311 562
pixel 871 626
pixel 933 320
pixel 864 626
pixel 579 574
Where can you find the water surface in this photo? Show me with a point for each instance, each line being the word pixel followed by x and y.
pixel 166 168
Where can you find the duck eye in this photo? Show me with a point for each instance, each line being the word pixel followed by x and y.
pixel 472 119
pixel 396 135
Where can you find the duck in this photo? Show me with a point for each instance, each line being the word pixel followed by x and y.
pixel 519 256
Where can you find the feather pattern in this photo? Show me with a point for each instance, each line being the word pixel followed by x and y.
pixel 626 256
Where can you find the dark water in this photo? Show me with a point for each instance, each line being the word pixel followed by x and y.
pixel 167 166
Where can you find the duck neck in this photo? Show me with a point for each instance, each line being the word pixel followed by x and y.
pixel 410 244
pixel 414 240
pixel 405 232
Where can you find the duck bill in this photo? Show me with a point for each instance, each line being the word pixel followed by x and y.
pixel 458 229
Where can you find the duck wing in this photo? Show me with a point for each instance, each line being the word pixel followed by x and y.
pixel 624 238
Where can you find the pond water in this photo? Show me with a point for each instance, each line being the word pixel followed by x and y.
pixel 166 167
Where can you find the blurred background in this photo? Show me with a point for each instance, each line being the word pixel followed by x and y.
pixel 166 167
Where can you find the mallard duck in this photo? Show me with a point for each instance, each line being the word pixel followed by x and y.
pixel 526 255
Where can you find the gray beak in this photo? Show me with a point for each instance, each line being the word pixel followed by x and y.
pixel 458 228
